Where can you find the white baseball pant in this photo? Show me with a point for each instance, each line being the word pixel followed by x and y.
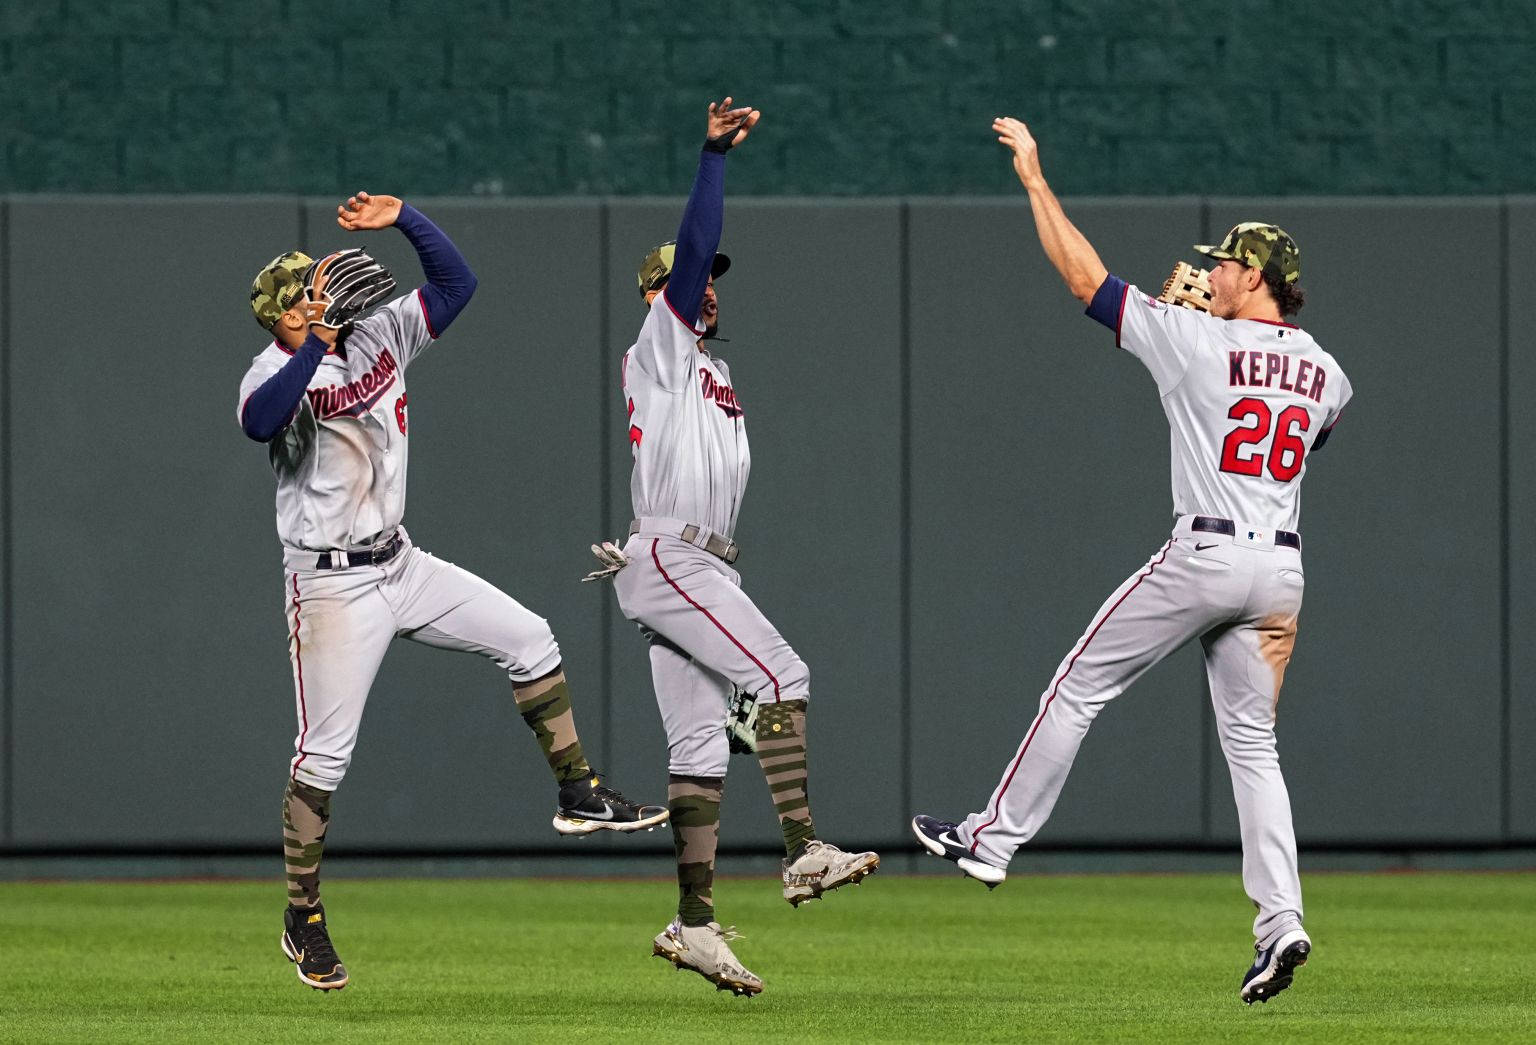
pixel 340 623
pixel 1242 598
pixel 706 635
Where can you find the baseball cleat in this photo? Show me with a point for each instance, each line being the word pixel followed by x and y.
pixel 940 838
pixel 587 806
pixel 705 949
pixel 817 867
pixel 1275 966
pixel 308 945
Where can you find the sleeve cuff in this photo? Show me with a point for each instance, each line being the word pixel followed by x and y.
pixel 1108 303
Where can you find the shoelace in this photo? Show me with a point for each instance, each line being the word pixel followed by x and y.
pixel 729 933
pixel 317 945
pixel 609 795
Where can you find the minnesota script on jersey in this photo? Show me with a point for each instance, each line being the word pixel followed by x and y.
pixel 687 431
pixel 340 464
pixel 1246 399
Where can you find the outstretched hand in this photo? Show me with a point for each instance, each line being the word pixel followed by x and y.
pixel 1026 154
pixel 368 212
pixel 723 119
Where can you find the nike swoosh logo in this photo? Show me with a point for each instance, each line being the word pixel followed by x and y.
pixel 606 814
pixel 1203 547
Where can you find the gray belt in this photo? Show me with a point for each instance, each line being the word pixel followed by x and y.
pixel 720 547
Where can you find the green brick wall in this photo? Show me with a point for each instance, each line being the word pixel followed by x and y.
pixel 861 97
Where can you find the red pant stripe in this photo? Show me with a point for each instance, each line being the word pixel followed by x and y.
pixel 723 629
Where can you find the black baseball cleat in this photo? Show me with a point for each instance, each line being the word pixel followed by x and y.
pixel 588 805
pixel 939 838
pixel 308 945
pixel 1275 966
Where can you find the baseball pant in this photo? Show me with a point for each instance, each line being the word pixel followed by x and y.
pixel 1242 598
pixel 340 623
pixel 706 635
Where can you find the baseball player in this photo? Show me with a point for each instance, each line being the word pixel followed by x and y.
pixel 1249 398
pixel 674 577
pixel 328 397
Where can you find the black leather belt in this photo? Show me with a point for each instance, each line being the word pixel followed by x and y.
pixel 1207 524
pixel 378 555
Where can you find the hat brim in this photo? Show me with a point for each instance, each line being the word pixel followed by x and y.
pixel 1212 251
pixel 718 269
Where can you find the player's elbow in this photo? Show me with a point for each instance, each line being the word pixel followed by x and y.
pixel 471 281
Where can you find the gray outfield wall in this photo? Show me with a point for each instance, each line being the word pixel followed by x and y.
pixel 952 469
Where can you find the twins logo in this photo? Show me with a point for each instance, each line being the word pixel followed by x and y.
pixel 723 395
pixel 355 398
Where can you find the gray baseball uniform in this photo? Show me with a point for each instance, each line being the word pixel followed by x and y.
pixel 688 437
pixel 1246 401
pixel 341 466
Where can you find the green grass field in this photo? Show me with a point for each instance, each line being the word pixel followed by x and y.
pixel 1414 957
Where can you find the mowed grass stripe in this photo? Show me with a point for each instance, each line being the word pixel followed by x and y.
pixel 1419 957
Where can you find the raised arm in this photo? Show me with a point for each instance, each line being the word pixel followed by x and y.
pixel 450 283
pixel 270 408
pixel 698 236
pixel 1068 249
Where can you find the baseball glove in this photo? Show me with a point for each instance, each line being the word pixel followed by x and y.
pixel 741 722
pixel 1188 286
pixel 342 286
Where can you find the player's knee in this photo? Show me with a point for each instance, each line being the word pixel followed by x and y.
pixel 532 655
pixel 702 751
pixel 794 679
pixel 320 771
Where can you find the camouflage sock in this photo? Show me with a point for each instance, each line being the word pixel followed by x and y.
pixel 781 752
pixel 545 705
pixel 694 802
pixel 306 814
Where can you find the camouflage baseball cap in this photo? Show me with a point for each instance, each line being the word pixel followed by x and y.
pixel 1268 248
pixel 657 266
pixel 278 285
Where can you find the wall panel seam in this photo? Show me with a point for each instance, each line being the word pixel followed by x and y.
pixel 7 560
pixel 1506 706
pixel 605 484
pixel 904 348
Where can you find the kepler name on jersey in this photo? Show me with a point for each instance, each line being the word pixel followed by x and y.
pixel 1273 370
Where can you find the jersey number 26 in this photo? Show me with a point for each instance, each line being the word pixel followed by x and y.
pixel 1285 452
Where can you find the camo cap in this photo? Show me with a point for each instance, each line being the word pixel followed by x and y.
pixel 657 267
pixel 278 285
pixel 1268 248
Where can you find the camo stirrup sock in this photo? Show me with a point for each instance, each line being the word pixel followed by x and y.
pixel 781 752
pixel 694 802
pixel 306 814
pixel 545 705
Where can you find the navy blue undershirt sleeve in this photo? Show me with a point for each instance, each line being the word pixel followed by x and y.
pixel 271 407
pixel 698 237
pixel 449 280
pixel 1105 306
pixel 1322 437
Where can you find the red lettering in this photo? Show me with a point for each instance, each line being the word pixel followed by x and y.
pixel 1271 367
pixel 1285 374
pixel 1253 368
pixel 1317 386
pixel 1303 369
pixel 1235 368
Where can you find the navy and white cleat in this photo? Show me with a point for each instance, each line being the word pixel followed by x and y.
pixel 1275 966
pixel 940 839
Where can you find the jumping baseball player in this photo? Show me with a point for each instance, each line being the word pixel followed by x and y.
pixel 674 577
pixel 328 397
pixel 1248 397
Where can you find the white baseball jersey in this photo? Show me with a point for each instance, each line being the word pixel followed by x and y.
pixel 341 463
pixel 1246 400
pixel 686 428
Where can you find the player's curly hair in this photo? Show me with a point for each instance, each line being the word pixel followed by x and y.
pixel 1288 296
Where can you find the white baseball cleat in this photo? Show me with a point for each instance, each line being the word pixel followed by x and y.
pixel 818 867
pixel 1275 966
pixel 706 950
pixel 940 839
